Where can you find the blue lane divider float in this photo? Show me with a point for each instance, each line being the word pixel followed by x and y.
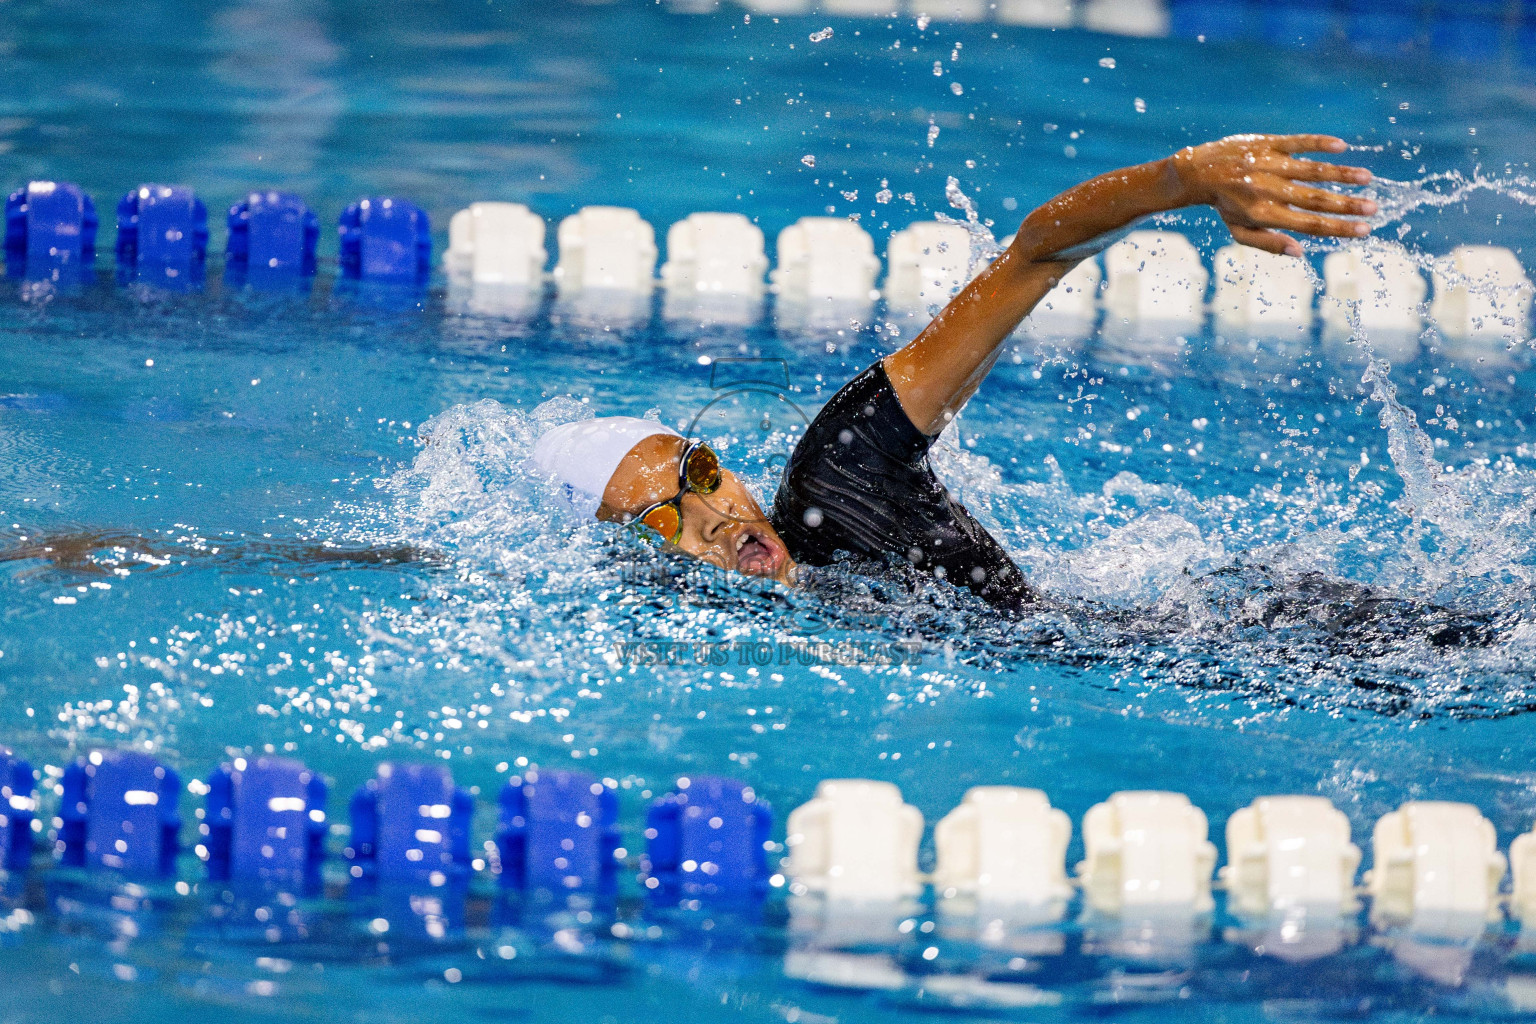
pixel 18 805
pixel 162 236
pixel 272 239
pixel 50 231
pixel 119 811
pixel 708 841
pixel 410 824
pixel 385 239
pixel 558 833
pixel 265 821
pixel 708 837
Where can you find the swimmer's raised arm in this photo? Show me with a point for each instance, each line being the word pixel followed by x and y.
pixel 1253 181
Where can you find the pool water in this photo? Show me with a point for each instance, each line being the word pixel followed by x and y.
pixel 299 523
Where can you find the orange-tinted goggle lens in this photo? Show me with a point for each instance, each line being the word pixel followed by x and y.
pixel 702 470
pixel 665 520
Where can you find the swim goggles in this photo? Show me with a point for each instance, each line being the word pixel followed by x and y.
pixel 698 471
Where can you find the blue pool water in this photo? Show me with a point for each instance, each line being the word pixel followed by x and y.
pixel 178 473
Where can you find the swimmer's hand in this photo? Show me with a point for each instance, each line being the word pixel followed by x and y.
pixel 1254 182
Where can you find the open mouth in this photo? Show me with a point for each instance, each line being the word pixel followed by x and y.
pixel 756 555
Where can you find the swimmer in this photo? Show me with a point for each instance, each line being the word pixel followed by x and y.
pixel 860 480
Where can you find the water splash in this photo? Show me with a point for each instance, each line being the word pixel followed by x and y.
pixel 1470 542
pixel 984 245
pixel 1395 200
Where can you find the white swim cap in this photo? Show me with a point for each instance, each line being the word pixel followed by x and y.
pixel 582 457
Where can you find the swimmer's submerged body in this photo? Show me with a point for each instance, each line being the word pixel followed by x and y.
pixel 860 483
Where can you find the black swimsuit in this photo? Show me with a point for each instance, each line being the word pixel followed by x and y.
pixel 860 482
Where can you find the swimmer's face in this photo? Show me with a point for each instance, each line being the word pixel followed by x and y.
pixel 725 528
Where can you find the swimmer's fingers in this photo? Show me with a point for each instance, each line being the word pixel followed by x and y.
pixel 1316 170
pixel 1321 200
pixel 1306 143
pixel 1270 214
pixel 1269 241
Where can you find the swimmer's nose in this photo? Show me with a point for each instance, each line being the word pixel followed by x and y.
pixel 715 517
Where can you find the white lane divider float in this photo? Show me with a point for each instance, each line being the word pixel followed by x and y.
pixel 956 10
pixel 1069 310
pixel 496 243
pixel 1147 851
pixel 855 840
pixel 777 6
pixel 1382 287
pixel 1074 295
pixel 715 254
pixel 1127 17
pixel 825 274
pixel 1039 13
pixel 1155 276
pixel 1261 292
pixel 1522 864
pixel 1434 862
pixel 826 258
pixel 859 8
pixel 606 248
pixel 1481 291
pixel 929 262
pixel 715 269
pixel 1003 844
pixel 1290 852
